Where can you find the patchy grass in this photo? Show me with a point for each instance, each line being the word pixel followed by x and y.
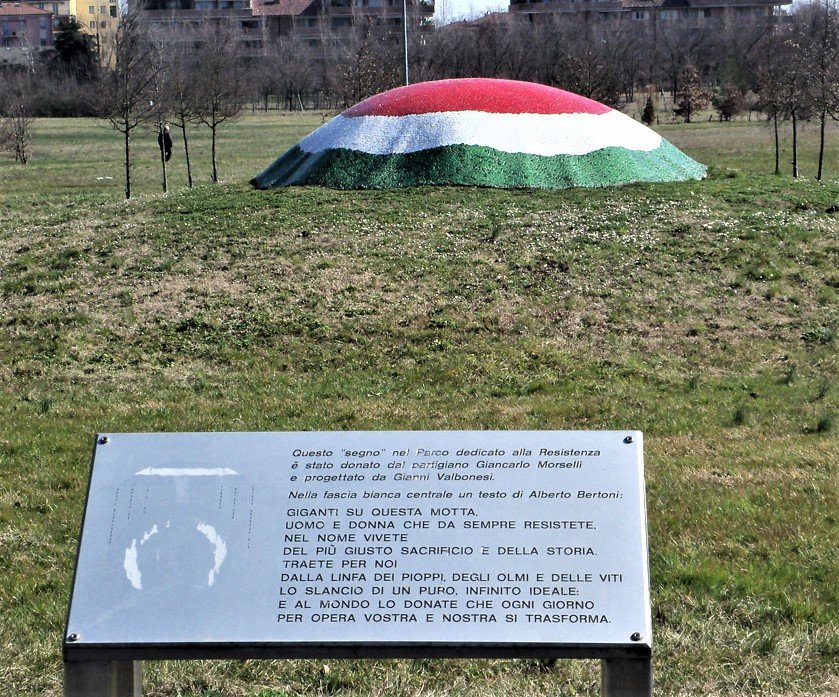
pixel 702 313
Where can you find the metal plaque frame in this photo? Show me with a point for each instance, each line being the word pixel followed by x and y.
pixel 175 479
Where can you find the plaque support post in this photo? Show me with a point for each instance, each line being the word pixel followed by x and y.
pixel 626 677
pixel 103 678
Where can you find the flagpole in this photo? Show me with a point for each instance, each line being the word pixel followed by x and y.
pixel 405 36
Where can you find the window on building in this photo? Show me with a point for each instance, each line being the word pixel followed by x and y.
pixel 103 24
pixel 113 10
pixel 55 8
pixel 91 10
pixel 92 25
pixel 669 14
pixel 640 14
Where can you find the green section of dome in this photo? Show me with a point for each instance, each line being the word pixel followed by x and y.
pixel 467 165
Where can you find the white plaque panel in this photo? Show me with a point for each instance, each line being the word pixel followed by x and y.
pixel 363 539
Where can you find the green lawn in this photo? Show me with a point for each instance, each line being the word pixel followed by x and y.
pixel 705 314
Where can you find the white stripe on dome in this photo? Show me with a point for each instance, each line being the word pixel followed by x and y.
pixel 532 134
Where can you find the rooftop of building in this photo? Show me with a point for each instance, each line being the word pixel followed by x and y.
pixel 284 8
pixel 16 9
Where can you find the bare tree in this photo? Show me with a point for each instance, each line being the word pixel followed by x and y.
pixel 160 98
pixel 793 91
pixel 584 57
pixel 16 98
pixel 769 89
pixel 220 80
pixel 677 47
pixel 182 85
pixel 289 62
pixel 125 88
pixel 519 37
pixel 736 50
pixel 363 60
pixel 626 53
pixel 448 53
pixel 821 19
pixel 492 47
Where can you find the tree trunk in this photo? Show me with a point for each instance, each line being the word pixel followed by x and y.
pixel 186 155
pixel 215 171
pixel 794 145
pixel 777 145
pixel 127 162
pixel 821 145
pixel 163 162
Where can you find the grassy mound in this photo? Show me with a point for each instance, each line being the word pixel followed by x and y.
pixel 704 313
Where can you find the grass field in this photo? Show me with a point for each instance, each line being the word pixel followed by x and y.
pixel 705 314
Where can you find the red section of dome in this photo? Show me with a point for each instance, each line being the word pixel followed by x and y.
pixel 476 94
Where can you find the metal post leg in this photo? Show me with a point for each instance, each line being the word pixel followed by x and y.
pixel 129 678
pixel 626 677
pixel 103 678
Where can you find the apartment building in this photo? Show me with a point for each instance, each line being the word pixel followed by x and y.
pixel 60 10
pixel 24 31
pixel 198 14
pixel 313 19
pixel 99 20
pixel 657 12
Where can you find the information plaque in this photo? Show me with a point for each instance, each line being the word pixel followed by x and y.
pixel 353 544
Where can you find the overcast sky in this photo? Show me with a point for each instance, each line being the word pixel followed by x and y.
pixel 451 10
